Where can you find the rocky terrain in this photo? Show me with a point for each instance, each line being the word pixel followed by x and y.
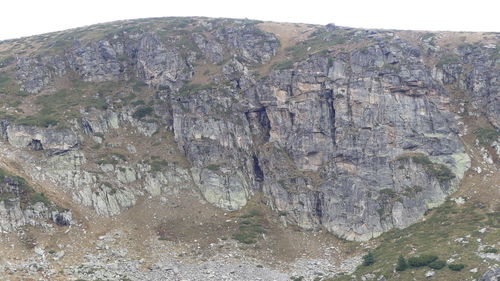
pixel 176 131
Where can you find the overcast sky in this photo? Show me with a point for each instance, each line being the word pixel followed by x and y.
pixel 29 17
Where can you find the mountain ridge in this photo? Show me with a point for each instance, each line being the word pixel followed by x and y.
pixel 352 131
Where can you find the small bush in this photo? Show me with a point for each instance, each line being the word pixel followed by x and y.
pixel 38 121
pixel 437 264
pixel 423 260
pixel 402 264
pixel 490 250
pixel 213 167
pixel 486 136
pixel 456 266
pixel 368 259
pixel 39 197
pixel 439 171
pixel 283 65
pixel 388 192
pixel 142 112
pixel 157 165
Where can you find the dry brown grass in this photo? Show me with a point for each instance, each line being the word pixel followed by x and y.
pixel 288 34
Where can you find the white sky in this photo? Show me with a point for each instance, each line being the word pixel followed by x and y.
pixel 29 17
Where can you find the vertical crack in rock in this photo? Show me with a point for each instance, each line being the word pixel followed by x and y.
pixel 348 94
pixel 259 174
pixel 318 208
pixel 331 112
pixel 260 126
pixel 292 118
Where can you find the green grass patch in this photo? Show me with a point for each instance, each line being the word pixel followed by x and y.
pixel 440 171
pixel 282 65
pixel 158 165
pixel 250 229
pixel 139 86
pixel 318 42
pixel 138 102
pixel 190 88
pixel 4 61
pixel 26 194
pixel 448 59
pixel 112 158
pixel 63 105
pixel 39 197
pixel 435 237
pixel 486 136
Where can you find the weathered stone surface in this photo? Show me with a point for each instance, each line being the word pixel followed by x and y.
pixel 492 275
pixel 36 73
pixel 16 211
pixel 358 141
pixel 41 139
pixel 158 64
pixel 96 61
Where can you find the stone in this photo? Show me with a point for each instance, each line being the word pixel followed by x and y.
pixel 39 251
pixel 59 255
pixel 491 275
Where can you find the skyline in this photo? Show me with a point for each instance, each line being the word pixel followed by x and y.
pixel 32 17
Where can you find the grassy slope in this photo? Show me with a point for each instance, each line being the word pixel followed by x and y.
pixel 436 235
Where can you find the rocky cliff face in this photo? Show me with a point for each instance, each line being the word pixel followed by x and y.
pixel 20 205
pixel 354 131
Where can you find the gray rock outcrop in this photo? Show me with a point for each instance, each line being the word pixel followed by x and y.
pixel 358 141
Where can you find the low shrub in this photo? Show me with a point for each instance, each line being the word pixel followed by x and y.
pixel 388 192
pixel 251 228
pixel 437 264
pixel 39 197
pixel 456 266
pixel 248 233
pixel 213 167
pixel 142 112
pixel 423 260
pixel 486 136
pixel 368 259
pixel 402 264
pixel 490 250
pixel 158 165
